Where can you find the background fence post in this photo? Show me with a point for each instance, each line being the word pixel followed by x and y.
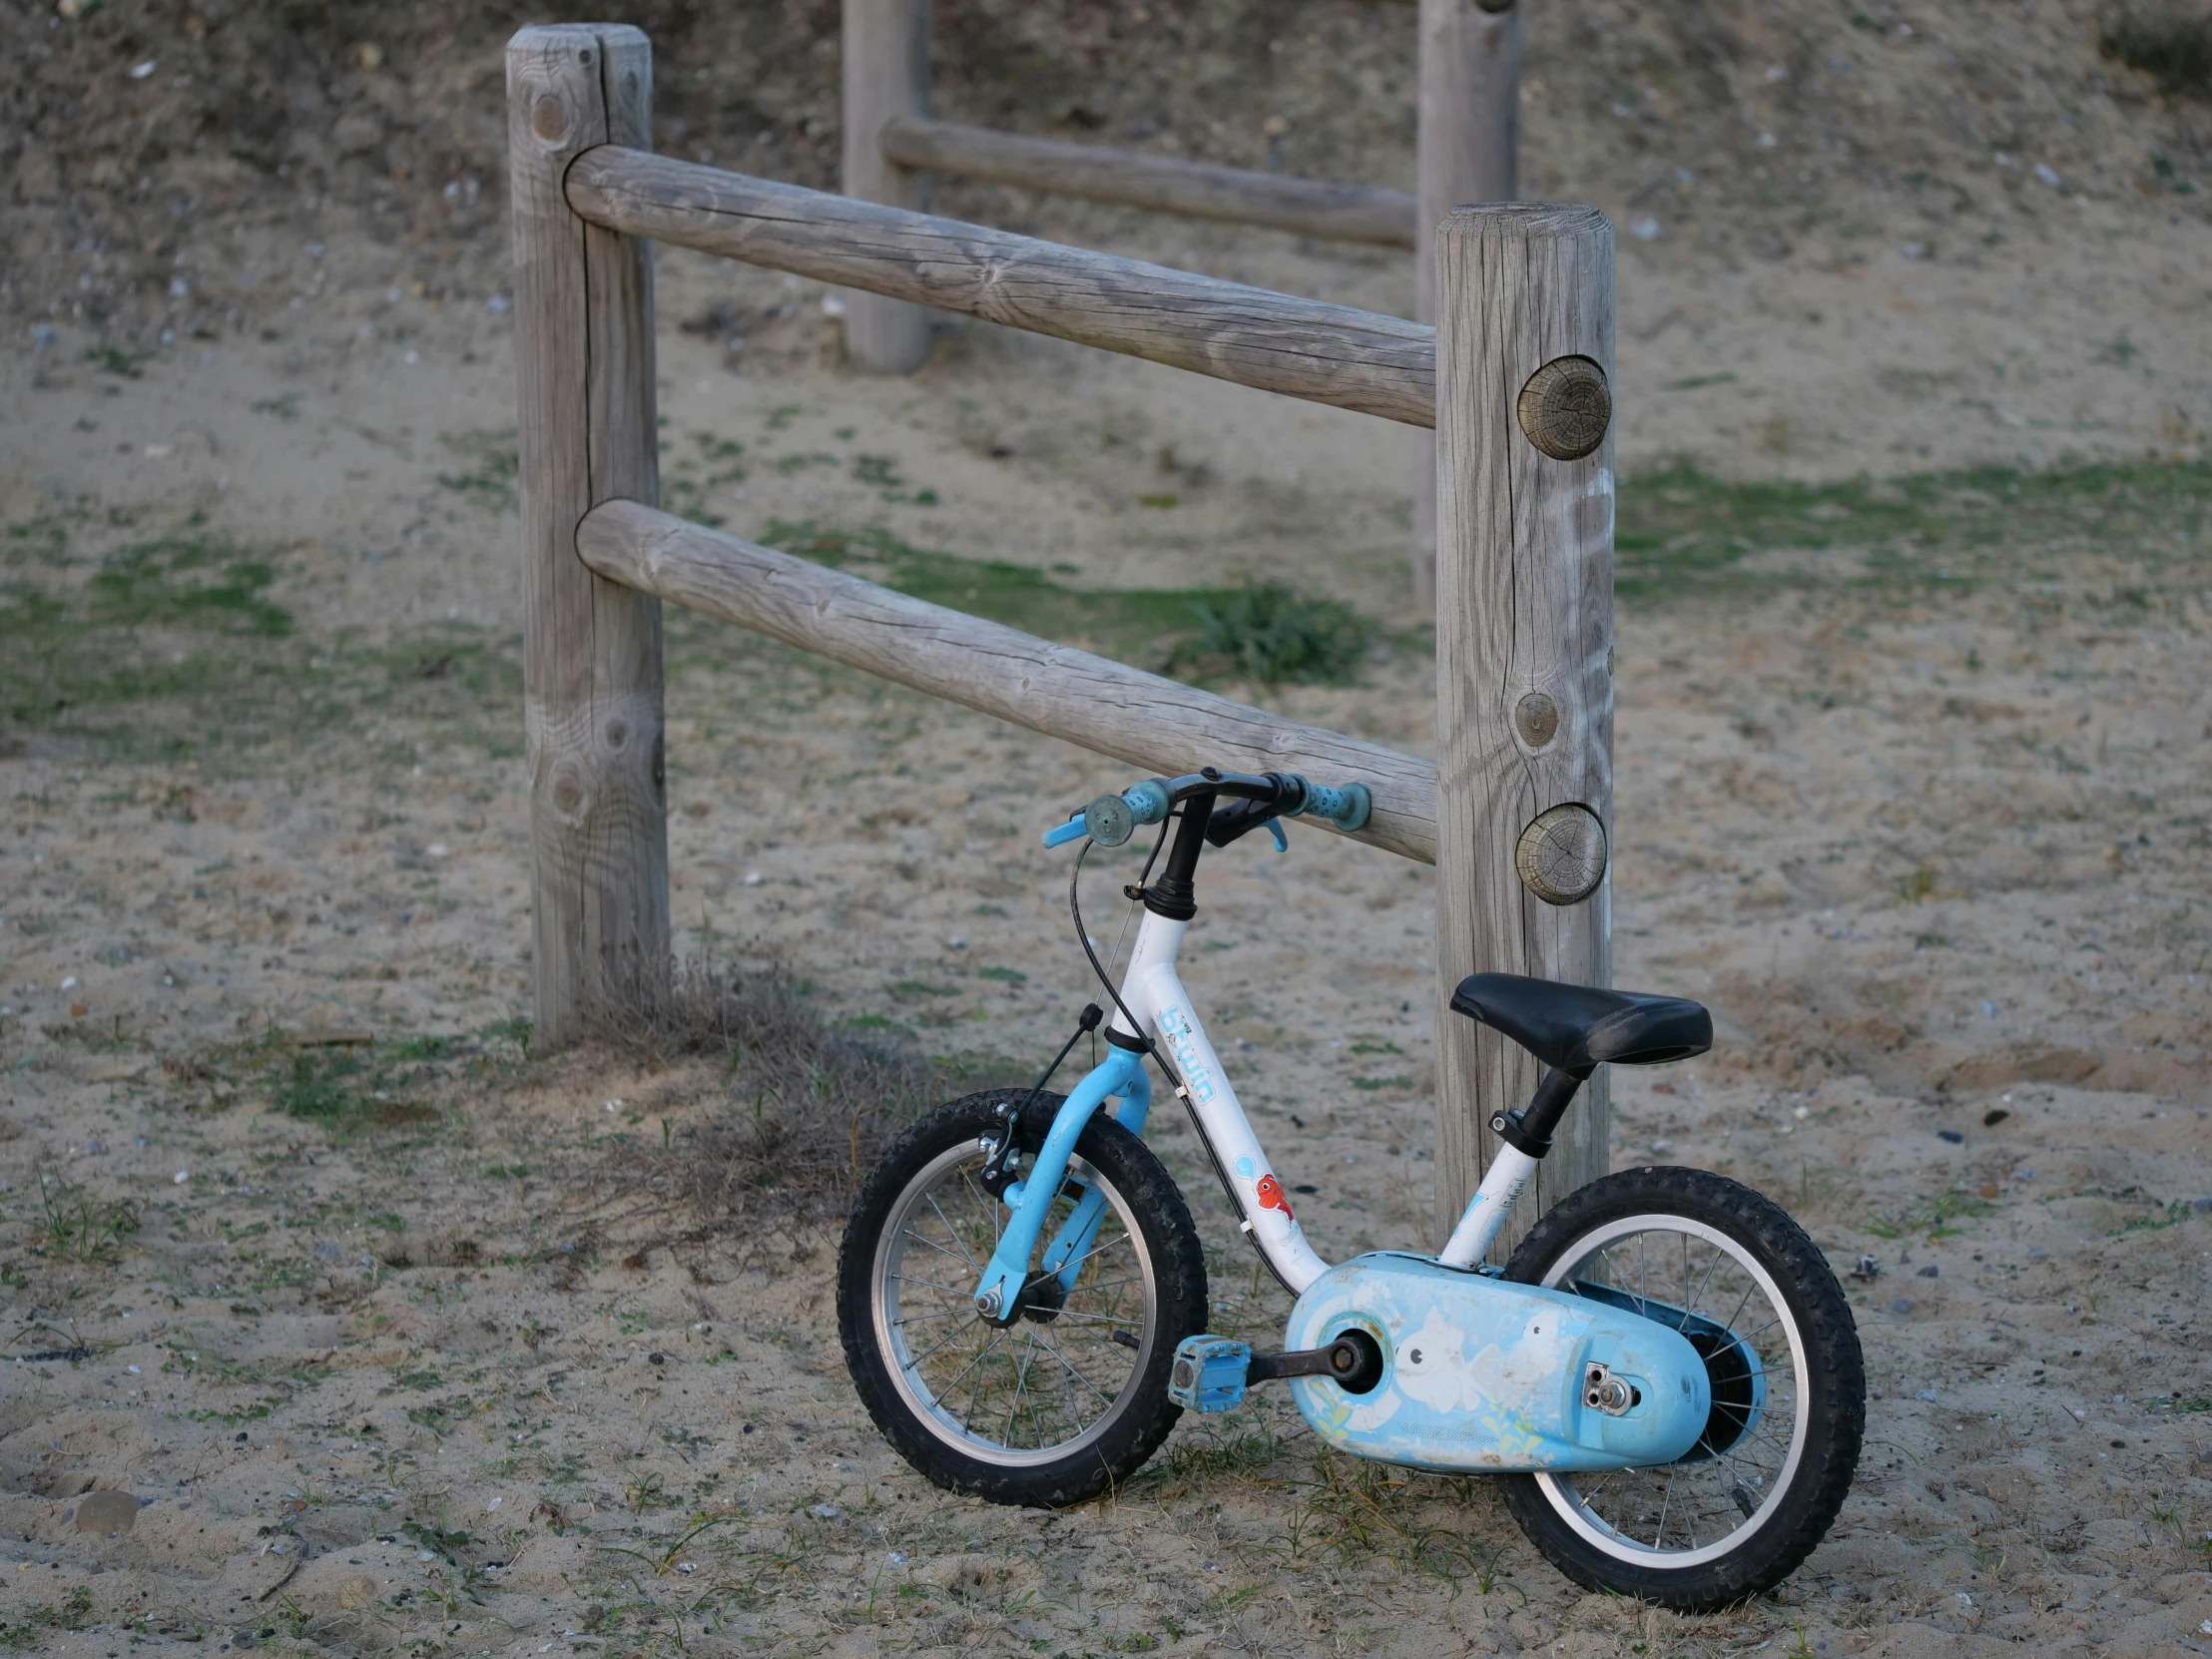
pixel 886 73
pixel 1469 150
pixel 598 925
pixel 1524 659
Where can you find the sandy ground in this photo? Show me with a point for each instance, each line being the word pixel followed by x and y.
pixel 1934 854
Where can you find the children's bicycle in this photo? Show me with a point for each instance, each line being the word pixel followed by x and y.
pixel 1665 1374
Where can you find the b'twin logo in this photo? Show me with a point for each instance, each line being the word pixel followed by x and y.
pixel 1197 1076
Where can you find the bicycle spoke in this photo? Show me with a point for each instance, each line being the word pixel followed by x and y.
pixel 1749 1291
pixel 951 1337
pixel 944 1398
pixel 1053 1348
pixel 1689 1306
pixel 991 1210
pixel 933 1244
pixel 1020 1388
pixel 932 1282
pixel 952 1231
pixel 1096 1248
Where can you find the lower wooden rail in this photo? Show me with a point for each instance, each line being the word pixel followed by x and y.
pixel 1150 721
pixel 1166 184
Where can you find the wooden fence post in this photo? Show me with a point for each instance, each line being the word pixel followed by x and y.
pixel 599 925
pixel 1524 659
pixel 886 73
pixel 1469 152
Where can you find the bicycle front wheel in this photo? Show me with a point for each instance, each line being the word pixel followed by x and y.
pixel 1071 1397
pixel 1733 1273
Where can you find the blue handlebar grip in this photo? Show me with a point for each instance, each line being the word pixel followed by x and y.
pixel 1060 834
pixel 1148 801
pixel 1346 807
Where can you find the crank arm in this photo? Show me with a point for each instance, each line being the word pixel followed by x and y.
pixel 1211 1372
pixel 1353 1360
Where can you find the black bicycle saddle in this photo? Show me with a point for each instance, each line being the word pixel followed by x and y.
pixel 1575 1028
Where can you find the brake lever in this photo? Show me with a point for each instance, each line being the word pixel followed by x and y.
pixel 1241 818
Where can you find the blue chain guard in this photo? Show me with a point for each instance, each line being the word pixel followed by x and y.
pixel 1485 1375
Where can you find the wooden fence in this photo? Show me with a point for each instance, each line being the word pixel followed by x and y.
pixel 1513 380
pixel 1469 96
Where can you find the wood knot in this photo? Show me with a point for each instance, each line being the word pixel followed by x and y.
pixel 1567 407
pixel 1537 718
pixel 548 119
pixel 1494 6
pixel 1560 856
pixel 618 733
pixel 568 794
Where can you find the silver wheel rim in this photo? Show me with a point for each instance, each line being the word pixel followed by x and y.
pixel 1034 1392
pixel 1668 1518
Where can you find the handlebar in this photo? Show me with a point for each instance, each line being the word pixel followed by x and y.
pixel 1259 800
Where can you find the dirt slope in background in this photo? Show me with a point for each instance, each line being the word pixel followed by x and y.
pixel 201 191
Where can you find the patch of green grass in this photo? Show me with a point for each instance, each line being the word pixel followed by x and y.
pixel 1265 634
pixel 347 1091
pixel 43 539
pixel 73 1613
pixel 1936 1215
pixel 1274 635
pixel 2169 42
pixel 174 648
pixel 493 465
pixel 187 581
pixel 76 1226
pixel 691 479
pixel 921 987
pixel 1367 1515
pixel 390 1083
pixel 111 359
pixel 1681 531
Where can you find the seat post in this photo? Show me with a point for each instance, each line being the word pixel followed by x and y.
pixel 1527 1137
pixel 1529 1130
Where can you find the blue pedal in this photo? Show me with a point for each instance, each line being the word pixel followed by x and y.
pixel 1209 1373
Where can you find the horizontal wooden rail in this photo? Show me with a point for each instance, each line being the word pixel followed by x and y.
pixel 1140 718
pixel 1382 365
pixel 1168 184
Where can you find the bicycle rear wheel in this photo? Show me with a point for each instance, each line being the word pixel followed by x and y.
pixel 1734 1274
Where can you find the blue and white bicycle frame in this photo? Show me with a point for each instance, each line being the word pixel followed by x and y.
pixel 1478 1372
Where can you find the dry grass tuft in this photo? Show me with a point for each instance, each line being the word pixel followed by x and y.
pixel 808 1108
pixel 2170 42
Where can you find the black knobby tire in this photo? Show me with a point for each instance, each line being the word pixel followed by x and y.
pixel 1174 1305
pixel 1828 1386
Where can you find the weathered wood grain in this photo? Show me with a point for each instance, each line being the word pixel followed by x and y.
pixel 1524 677
pixel 1152 723
pixel 887 76
pixel 1467 150
pixel 1166 184
pixel 599 919
pixel 1305 349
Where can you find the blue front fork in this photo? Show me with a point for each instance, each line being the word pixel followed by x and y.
pixel 1120 1073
